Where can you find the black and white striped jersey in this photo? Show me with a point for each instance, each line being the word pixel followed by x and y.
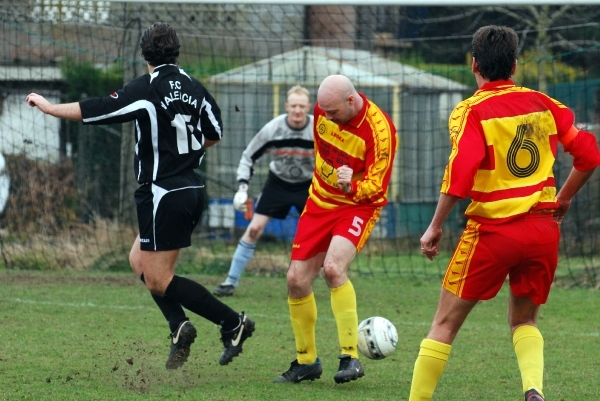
pixel 293 151
pixel 173 115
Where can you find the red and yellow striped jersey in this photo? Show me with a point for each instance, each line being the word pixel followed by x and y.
pixel 504 142
pixel 367 144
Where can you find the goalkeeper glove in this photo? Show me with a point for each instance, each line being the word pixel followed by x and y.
pixel 240 198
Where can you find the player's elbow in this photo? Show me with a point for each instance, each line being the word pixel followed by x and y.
pixel 210 142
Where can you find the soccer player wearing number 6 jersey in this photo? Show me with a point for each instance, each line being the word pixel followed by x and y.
pixel 504 143
pixel 176 119
pixel 355 145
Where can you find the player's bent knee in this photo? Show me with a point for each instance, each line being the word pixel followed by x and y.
pixel 292 277
pixel 296 283
pixel 255 232
pixel 334 277
pixel 156 287
pixel 156 290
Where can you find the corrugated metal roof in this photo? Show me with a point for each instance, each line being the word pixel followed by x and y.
pixel 309 65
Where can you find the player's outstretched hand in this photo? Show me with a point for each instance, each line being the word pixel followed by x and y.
pixel 35 100
pixel 240 198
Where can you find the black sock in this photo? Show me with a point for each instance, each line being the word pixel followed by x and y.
pixel 172 311
pixel 194 297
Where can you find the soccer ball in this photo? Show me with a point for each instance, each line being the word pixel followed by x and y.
pixel 377 337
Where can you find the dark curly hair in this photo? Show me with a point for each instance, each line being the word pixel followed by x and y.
pixel 495 50
pixel 160 44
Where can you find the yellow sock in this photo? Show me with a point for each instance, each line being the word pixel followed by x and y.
pixel 529 347
pixel 303 313
pixel 429 366
pixel 343 304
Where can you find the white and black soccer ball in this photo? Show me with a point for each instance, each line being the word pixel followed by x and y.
pixel 377 337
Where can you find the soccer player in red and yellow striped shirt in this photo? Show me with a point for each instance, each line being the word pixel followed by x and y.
pixel 355 144
pixel 504 143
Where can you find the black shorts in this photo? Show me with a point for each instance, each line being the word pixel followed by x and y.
pixel 278 196
pixel 168 210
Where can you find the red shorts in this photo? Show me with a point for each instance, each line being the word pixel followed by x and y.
pixel 525 250
pixel 317 226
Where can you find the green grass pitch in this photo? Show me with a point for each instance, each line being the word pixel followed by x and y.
pixel 98 336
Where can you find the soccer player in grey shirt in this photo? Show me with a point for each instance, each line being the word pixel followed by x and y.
pixel 289 137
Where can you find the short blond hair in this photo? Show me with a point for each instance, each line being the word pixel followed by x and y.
pixel 300 90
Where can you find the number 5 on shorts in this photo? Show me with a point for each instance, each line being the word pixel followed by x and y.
pixel 356 228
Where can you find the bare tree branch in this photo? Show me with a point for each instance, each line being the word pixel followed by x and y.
pixel 534 11
pixel 448 18
pixel 573 44
pixel 560 12
pixel 512 14
pixel 522 41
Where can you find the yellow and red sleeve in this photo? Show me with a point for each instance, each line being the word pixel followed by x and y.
pixel 381 145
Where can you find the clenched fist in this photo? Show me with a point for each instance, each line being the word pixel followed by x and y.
pixel 344 179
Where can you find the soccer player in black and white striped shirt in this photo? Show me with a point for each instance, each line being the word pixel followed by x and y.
pixel 176 119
